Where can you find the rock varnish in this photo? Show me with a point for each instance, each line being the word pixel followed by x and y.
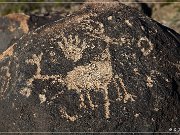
pixel 105 68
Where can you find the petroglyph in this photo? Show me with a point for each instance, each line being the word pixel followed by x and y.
pixel 136 71
pixel 136 115
pixel 96 75
pixel 36 60
pixel 81 99
pixel 8 52
pixel 93 76
pixel 145 51
pixel 109 18
pixel 153 74
pixel 126 96
pixel 72 47
pixel 93 106
pixel 25 91
pixel 42 98
pixel 98 31
pixel 86 70
pixel 128 23
pixel 119 94
pixel 7 77
pixel 149 81
pixel 66 116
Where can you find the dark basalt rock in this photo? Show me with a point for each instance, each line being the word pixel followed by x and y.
pixel 105 68
pixel 36 21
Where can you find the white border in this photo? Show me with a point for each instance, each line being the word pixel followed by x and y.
pixel 88 132
pixel 88 2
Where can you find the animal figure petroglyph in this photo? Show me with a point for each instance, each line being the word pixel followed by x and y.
pixel 94 76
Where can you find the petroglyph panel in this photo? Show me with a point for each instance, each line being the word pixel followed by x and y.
pixel 95 76
pixel 105 68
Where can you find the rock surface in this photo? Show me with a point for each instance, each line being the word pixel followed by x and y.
pixel 105 68
pixel 13 26
pixel 142 5
pixel 168 15
pixel 11 29
pixel 164 11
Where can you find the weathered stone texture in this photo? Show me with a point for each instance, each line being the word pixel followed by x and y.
pixel 104 68
pixel 15 25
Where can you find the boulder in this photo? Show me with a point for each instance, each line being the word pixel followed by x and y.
pixel 15 25
pixel 105 68
pixel 12 27
pixel 142 5
pixel 163 11
pixel 169 15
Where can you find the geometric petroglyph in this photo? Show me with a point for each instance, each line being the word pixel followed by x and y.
pixel 145 51
pixel 25 91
